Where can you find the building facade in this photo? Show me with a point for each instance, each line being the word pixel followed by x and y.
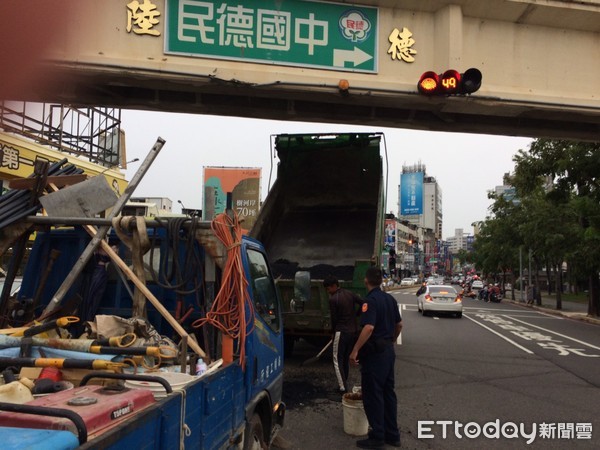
pixel 420 199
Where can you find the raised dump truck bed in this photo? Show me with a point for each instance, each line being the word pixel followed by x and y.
pixel 324 214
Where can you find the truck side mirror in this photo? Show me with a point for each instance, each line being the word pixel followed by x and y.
pixel 301 291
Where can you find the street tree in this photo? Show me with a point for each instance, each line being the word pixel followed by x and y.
pixel 564 174
pixel 498 242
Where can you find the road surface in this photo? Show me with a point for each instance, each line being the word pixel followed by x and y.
pixel 500 377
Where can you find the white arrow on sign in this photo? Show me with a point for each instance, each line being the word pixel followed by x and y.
pixel 356 56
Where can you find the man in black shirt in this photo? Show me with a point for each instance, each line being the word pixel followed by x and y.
pixel 343 306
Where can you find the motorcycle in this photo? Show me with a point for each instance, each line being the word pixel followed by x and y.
pixel 495 297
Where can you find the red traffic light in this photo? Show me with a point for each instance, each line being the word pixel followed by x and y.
pixel 451 82
pixel 429 83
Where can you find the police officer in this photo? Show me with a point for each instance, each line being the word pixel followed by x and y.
pixel 374 350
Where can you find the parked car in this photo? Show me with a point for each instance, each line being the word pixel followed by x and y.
pixel 407 282
pixel 440 298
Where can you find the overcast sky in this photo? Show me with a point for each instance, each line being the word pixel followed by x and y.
pixel 466 166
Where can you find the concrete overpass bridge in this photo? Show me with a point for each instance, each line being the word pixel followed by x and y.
pixel 284 59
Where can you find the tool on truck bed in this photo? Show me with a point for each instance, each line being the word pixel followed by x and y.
pixel 208 324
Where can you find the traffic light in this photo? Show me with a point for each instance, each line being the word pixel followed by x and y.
pixel 451 82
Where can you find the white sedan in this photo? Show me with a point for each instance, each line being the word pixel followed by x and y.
pixel 407 282
pixel 440 298
pixel 477 284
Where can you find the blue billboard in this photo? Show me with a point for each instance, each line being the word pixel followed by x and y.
pixel 411 193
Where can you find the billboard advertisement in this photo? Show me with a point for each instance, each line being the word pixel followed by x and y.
pixel 18 157
pixel 390 234
pixel 411 193
pixel 243 183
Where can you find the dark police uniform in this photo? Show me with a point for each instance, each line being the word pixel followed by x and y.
pixel 377 358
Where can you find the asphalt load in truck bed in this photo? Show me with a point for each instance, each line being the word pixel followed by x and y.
pixel 287 270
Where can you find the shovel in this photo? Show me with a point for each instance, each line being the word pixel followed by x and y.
pixel 316 358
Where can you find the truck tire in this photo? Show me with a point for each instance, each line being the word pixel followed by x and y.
pixel 254 437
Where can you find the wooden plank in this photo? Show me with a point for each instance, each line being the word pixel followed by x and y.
pixel 57 180
pixel 92 231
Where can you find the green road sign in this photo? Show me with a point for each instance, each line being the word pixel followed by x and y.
pixel 287 32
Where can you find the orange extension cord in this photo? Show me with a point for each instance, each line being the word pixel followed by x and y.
pixel 228 311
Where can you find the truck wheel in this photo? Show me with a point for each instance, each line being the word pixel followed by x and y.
pixel 254 438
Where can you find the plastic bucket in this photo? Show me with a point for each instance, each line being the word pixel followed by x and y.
pixel 177 381
pixel 355 419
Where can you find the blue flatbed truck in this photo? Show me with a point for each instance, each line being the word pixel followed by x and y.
pixel 233 406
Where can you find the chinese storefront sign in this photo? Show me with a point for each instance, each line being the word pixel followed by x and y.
pixel 18 161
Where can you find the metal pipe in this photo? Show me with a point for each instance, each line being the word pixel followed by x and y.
pixel 98 221
pixel 102 231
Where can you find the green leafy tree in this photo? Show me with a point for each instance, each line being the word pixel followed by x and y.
pixel 464 257
pixel 558 182
pixel 545 232
pixel 497 245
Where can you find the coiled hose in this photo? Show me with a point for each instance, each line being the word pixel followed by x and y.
pixel 232 303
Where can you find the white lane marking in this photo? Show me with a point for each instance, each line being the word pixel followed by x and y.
pixel 496 311
pixel 403 306
pixel 520 313
pixel 537 316
pixel 554 332
pixel 500 335
pixel 399 340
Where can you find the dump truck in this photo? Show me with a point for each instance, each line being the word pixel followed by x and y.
pixel 323 215
pixel 231 399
